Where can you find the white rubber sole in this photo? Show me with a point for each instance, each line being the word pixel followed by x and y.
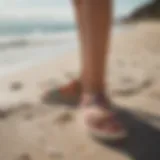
pixel 103 135
pixel 107 136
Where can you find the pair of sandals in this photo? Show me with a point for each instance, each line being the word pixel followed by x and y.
pixel 99 119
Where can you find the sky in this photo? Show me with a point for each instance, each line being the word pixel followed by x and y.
pixel 36 9
pixel 56 9
pixel 32 3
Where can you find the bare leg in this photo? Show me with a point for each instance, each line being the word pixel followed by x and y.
pixel 70 93
pixel 94 19
pixel 97 15
pixel 80 18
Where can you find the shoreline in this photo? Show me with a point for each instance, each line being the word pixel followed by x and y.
pixel 33 63
pixel 71 47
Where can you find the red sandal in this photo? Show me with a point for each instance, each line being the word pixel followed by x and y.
pixel 101 121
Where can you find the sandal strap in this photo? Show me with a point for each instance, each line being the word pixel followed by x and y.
pixel 99 98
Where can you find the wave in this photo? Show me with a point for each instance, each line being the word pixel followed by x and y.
pixel 39 46
pixel 36 38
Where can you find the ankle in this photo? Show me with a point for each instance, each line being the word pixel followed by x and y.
pixel 93 89
pixel 89 98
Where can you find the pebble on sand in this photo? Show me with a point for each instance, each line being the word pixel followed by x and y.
pixel 16 86
pixel 24 156
pixel 3 114
pixel 64 117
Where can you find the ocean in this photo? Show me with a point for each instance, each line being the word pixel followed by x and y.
pixel 33 35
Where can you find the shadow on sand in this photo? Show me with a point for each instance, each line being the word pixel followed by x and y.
pixel 143 141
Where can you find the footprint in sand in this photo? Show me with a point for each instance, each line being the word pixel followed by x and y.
pixel 16 86
pixel 3 114
pixel 130 86
pixel 24 156
pixel 64 118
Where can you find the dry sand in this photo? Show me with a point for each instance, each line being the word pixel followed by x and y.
pixel 30 130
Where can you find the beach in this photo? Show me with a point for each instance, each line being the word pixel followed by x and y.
pixel 31 130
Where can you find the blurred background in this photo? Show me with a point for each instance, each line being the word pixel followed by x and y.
pixel 33 30
pixel 33 33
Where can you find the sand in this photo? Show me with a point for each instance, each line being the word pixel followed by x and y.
pixel 30 130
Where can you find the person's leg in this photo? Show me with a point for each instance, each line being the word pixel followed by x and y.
pixel 100 120
pixel 93 31
pixel 93 42
pixel 81 23
pixel 70 92
pixel 97 26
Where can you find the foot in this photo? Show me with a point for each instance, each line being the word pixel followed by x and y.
pixel 68 94
pixel 100 120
